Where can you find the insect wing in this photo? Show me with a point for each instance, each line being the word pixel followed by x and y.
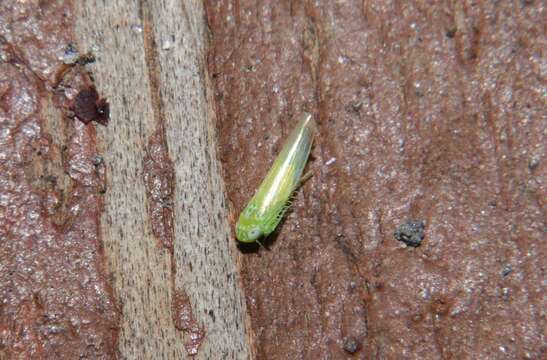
pixel 286 171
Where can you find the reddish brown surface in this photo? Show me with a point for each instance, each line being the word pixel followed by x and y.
pixel 184 320
pixel 55 302
pixel 159 183
pixel 434 112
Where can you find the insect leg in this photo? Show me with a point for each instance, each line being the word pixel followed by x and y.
pixel 259 243
pixel 304 178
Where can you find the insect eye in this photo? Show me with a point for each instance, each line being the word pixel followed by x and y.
pixel 254 233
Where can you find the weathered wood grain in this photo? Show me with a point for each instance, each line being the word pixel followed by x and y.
pixel 144 85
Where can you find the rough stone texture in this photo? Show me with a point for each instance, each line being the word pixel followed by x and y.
pixel 55 298
pixel 432 111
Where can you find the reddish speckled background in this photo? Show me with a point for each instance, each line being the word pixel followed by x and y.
pixel 55 300
pixel 426 110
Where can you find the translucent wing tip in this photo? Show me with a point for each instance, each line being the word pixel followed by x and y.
pixel 306 120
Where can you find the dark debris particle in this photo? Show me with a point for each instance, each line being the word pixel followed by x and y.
pixel 71 55
pixel 97 160
pixel 412 232
pixel 87 107
pixel 450 33
pixel 534 163
pixel 351 345
pixel 354 107
pixel 212 315
pixel 507 269
pixel 87 58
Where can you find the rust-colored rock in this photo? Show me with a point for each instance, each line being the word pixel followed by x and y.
pixel 55 299
pixel 426 111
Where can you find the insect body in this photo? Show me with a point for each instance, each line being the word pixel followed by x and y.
pixel 266 208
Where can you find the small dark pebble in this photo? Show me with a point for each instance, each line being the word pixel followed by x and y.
pixel 97 160
pixel 411 232
pixel 507 269
pixel 351 345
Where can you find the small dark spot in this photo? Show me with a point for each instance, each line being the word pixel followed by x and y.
pixel 351 345
pixel 87 107
pixel 212 315
pixel 450 33
pixel 507 269
pixel 313 279
pixel 354 107
pixel 377 286
pixel 86 58
pixel 506 293
pixel 417 317
pixel 352 285
pixel 534 163
pixel 440 306
pixel 97 160
pixel 70 55
pixel 411 232
pixel 70 49
pixel 51 179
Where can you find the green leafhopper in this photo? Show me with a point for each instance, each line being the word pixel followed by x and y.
pixel 268 205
